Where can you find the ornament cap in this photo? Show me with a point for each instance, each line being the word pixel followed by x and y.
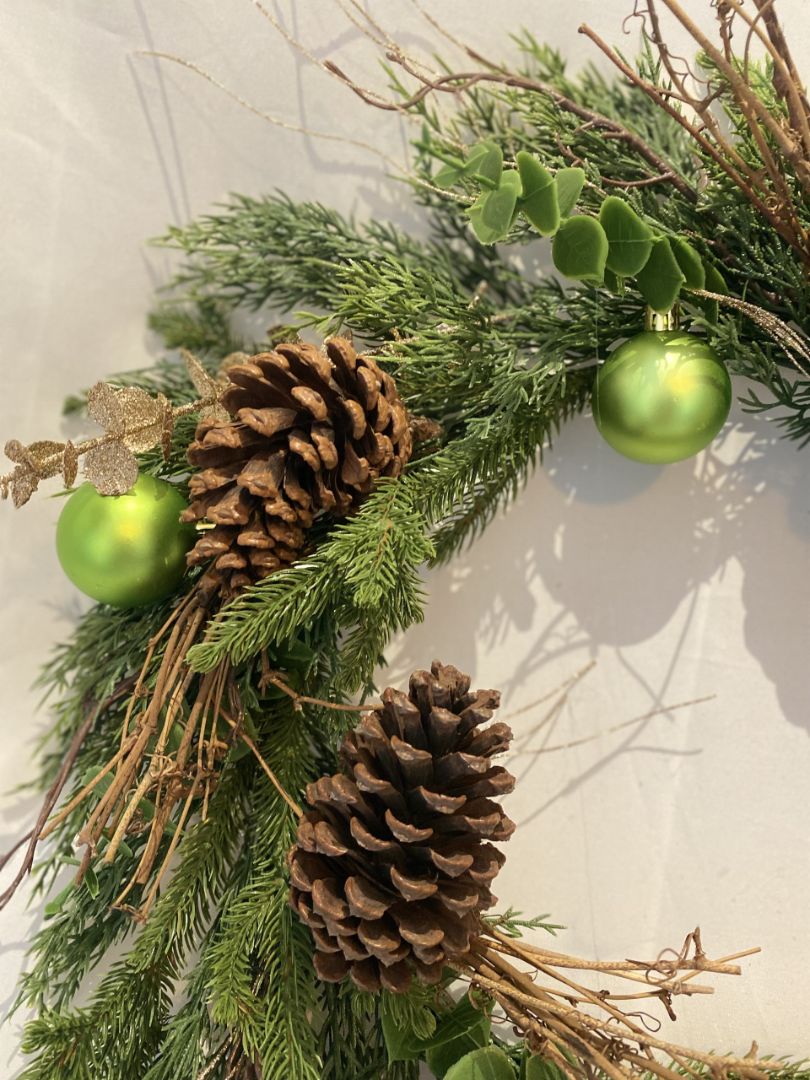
pixel 662 320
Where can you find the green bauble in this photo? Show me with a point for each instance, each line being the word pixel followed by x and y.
pixel 125 550
pixel 661 396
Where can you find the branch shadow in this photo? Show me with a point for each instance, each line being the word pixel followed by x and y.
pixel 600 553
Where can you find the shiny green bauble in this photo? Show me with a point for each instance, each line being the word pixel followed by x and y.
pixel 125 550
pixel 661 396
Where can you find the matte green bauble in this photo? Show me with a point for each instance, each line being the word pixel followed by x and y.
pixel 661 396
pixel 125 550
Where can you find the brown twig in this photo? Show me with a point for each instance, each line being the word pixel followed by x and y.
pixel 274 780
pixel 736 168
pixel 56 788
pixel 461 82
pixel 782 147
pixel 572 1022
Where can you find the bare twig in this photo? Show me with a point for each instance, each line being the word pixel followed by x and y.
pixel 274 780
pixel 583 1029
pixel 56 788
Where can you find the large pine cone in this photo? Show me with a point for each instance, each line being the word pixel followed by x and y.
pixel 311 432
pixel 392 865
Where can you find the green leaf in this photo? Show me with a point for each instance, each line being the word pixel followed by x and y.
pixel 498 208
pixel 492 213
pixel 400 1042
pixel 715 282
pixel 630 238
pixel 482 231
pixel 487 1064
pixel 449 175
pixel 485 160
pixel 53 907
pixel 537 1068
pixel 539 199
pixel 614 282
pixel 660 280
pixel 690 263
pixel 580 249
pixel 91 881
pixel 569 183
pixel 463 1029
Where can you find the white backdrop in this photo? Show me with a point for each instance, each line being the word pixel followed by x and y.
pixel 679 582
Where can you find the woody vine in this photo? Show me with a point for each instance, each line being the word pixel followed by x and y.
pixel 313 873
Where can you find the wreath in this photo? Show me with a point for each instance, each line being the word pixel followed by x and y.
pixel 301 865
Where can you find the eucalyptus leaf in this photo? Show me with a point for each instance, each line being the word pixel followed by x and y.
pixel 539 200
pixel 580 249
pixel 569 183
pixel 690 263
pixel 489 1063
pixel 400 1042
pixel 485 160
pixel 498 207
pixel 484 233
pixel 449 175
pixel 630 238
pixel 614 282
pixel 463 1029
pixel 716 283
pixel 660 280
pixel 537 1068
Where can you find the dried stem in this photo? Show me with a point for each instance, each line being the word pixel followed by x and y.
pixel 55 790
pixel 782 146
pixel 544 1003
pixel 746 179
pixel 274 780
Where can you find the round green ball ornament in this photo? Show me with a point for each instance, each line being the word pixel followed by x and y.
pixel 661 396
pixel 125 550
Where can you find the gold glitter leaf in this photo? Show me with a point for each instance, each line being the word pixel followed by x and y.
pixel 168 426
pixel 46 457
pixel 111 468
pixel 105 407
pixel 143 419
pixel 70 464
pixel 24 482
pixel 18 453
pixel 204 384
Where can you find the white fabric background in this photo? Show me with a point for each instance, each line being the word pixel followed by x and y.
pixel 679 582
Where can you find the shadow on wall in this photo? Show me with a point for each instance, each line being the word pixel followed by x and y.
pixel 603 552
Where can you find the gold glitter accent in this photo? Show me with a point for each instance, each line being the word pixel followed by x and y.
pixel 111 467
pixel 133 422
pixel 795 346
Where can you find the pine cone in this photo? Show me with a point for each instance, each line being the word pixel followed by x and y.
pixel 311 432
pixel 391 868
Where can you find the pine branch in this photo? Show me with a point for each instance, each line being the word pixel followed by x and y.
pixel 368 565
